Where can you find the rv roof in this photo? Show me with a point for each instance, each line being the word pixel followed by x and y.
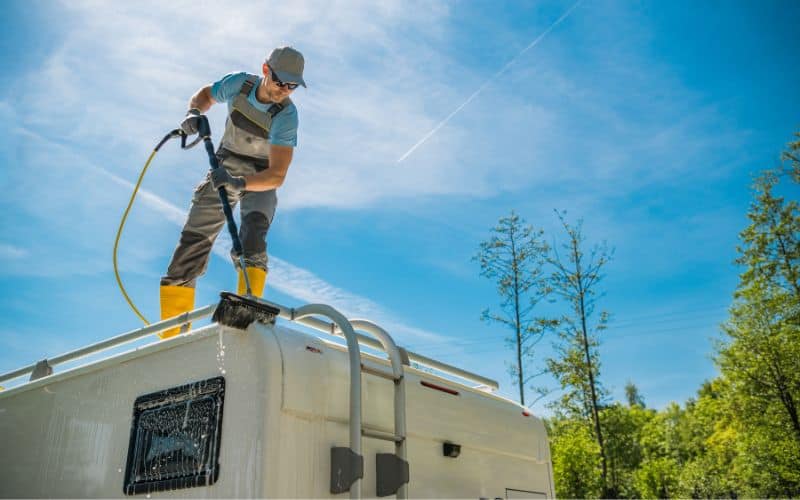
pixel 45 367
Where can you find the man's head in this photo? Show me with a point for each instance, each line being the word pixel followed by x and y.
pixel 283 72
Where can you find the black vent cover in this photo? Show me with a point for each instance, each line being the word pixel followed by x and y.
pixel 175 438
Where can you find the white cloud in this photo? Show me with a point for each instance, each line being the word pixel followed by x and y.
pixel 303 284
pixel 140 62
pixel 366 101
pixel 381 74
pixel 12 252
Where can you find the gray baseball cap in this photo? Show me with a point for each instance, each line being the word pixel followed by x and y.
pixel 287 63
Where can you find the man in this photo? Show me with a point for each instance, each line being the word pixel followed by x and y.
pixel 255 153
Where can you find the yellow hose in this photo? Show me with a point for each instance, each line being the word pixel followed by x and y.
pixel 119 233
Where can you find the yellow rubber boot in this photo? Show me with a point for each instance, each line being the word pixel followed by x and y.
pixel 175 300
pixel 257 278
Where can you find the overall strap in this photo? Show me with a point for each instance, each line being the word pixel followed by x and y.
pixel 278 107
pixel 243 115
pixel 275 109
pixel 247 86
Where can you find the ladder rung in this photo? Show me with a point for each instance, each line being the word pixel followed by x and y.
pixel 386 436
pixel 378 371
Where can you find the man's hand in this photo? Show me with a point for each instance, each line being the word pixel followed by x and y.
pixel 220 177
pixel 272 178
pixel 191 122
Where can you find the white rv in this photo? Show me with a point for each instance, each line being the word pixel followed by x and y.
pixel 269 411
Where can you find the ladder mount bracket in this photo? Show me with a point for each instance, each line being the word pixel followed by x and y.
pixel 346 468
pixel 391 474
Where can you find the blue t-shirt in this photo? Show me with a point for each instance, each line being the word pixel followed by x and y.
pixel 284 126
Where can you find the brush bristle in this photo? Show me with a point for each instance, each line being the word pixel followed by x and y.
pixel 240 312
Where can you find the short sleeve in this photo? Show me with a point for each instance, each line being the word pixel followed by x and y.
pixel 284 127
pixel 228 87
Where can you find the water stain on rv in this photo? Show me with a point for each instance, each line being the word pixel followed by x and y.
pixel 221 353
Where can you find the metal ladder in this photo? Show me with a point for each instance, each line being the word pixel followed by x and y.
pixel 347 466
pixel 392 474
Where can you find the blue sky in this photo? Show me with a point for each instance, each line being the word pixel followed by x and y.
pixel 645 119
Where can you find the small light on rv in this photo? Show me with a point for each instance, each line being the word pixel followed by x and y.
pixel 526 413
pixel 451 450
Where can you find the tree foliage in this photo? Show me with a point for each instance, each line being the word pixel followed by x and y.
pixel 760 354
pixel 623 427
pixel 657 478
pixel 514 258
pixel 632 395
pixel 576 459
pixel 739 437
pixel 575 279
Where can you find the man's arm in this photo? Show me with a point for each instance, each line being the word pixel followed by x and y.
pixel 202 99
pixel 279 159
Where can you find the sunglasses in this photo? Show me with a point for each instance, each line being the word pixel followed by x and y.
pixel 279 83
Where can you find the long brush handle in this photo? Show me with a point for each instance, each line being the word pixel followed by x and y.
pixel 223 197
pixel 204 130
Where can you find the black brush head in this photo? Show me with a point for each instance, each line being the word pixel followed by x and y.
pixel 239 312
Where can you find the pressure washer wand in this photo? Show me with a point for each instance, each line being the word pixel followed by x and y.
pixel 204 130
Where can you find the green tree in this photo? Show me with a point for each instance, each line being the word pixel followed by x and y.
pixel 760 352
pixel 623 427
pixel 691 451
pixel 576 459
pixel 514 258
pixel 710 440
pixel 632 395
pixel 739 438
pixel 657 478
pixel 665 435
pixel 765 317
pixel 791 160
pixel 576 367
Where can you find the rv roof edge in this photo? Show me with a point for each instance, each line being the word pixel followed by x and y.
pixel 115 341
pixel 285 313
pixel 323 326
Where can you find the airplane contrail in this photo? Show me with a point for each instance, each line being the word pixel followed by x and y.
pixel 490 80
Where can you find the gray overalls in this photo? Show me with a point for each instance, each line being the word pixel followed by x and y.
pixel 244 150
